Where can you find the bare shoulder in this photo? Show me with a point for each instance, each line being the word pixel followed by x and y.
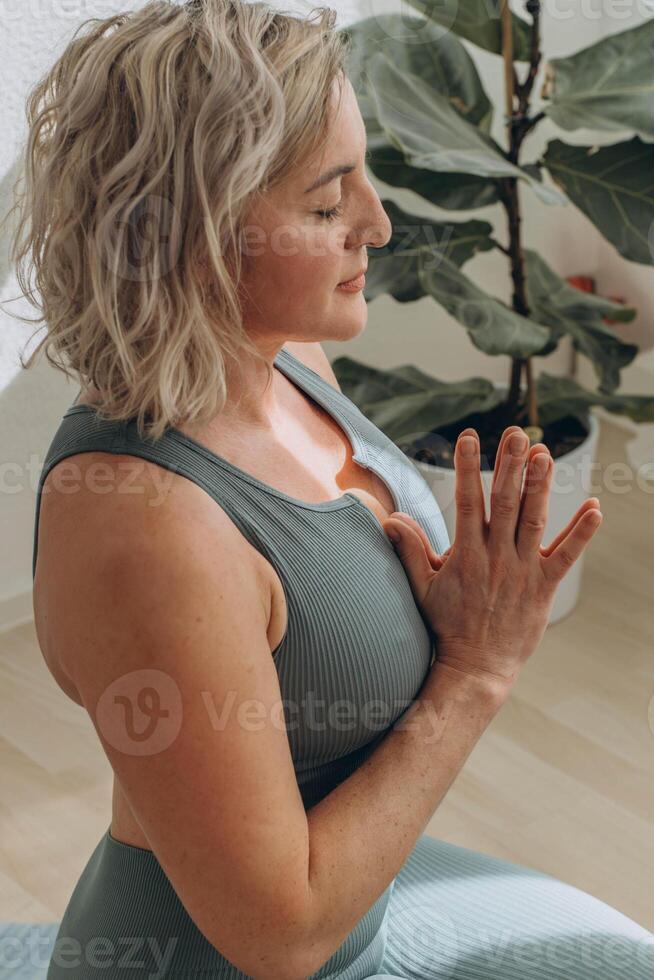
pixel 128 498
pixel 155 597
pixel 100 510
pixel 315 358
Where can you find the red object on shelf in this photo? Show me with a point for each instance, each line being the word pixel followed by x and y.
pixel 585 283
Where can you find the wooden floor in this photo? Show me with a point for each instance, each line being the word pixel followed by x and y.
pixel 562 780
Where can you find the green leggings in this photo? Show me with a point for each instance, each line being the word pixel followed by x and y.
pixel 457 914
pixel 453 914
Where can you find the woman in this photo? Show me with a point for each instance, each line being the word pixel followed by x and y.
pixel 221 592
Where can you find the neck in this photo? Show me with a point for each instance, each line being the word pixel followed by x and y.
pixel 250 404
pixel 251 400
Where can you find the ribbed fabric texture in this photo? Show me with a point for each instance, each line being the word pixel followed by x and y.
pixel 355 653
pixel 454 914
pixel 354 632
pixel 458 914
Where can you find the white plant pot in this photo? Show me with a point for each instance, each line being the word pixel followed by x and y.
pixel 571 485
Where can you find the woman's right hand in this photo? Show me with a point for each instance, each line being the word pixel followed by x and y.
pixel 488 597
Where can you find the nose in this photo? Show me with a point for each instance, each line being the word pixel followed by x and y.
pixel 373 226
pixel 379 232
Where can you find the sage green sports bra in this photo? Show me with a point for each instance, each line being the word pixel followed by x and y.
pixel 355 652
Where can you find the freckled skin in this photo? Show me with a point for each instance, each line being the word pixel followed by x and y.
pixel 291 268
pixel 291 287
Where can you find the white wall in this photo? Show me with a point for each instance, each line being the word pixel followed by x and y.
pixel 32 402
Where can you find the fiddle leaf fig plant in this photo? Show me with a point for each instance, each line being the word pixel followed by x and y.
pixel 428 120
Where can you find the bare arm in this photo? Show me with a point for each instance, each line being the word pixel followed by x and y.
pixel 274 888
pixel 364 830
pixel 488 603
pixel 171 603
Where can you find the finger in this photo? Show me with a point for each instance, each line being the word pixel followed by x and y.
pixel 566 553
pixel 506 435
pixel 469 494
pixel 506 495
pixel 411 550
pixel 433 555
pixel 535 502
pixel 502 446
pixel 592 502
pixel 538 447
pixel 442 558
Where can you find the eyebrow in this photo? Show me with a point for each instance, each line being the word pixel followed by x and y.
pixel 331 174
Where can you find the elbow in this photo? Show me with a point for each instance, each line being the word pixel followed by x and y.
pixel 286 949
pixel 269 960
pixel 288 964
pixel 283 972
pixel 301 958
pixel 293 960
pixel 304 964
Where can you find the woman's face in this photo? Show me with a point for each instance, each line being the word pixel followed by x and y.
pixel 301 241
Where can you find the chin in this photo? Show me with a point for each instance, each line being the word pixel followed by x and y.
pixel 351 323
pixel 346 329
pixel 337 325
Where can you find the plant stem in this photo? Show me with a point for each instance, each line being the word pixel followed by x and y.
pixel 514 386
pixel 532 407
pixel 499 246
pixel 518 125
pixel 507 52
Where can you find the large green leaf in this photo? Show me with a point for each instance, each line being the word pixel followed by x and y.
pixel 396 275
pixel 452 191
pixel 558 397
pixel 393 268
pixel 492 326
pixel 421 48
pixel 406 403
pixel 477 21
pixel 614 187
pixel 580 315
pixel 422 124
pixel 606 86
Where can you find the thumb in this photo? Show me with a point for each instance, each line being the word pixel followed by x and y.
pixel 411 549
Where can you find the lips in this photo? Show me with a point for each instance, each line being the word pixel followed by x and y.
pixel 353 286
pixel 354 278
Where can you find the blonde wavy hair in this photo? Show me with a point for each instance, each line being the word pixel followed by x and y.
pixel 176 116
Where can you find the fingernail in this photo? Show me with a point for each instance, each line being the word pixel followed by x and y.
pixel 540 464
pixel 518 443
pixel 468 445
pixel 393 534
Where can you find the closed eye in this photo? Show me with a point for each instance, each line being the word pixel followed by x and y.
pixel 330 214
